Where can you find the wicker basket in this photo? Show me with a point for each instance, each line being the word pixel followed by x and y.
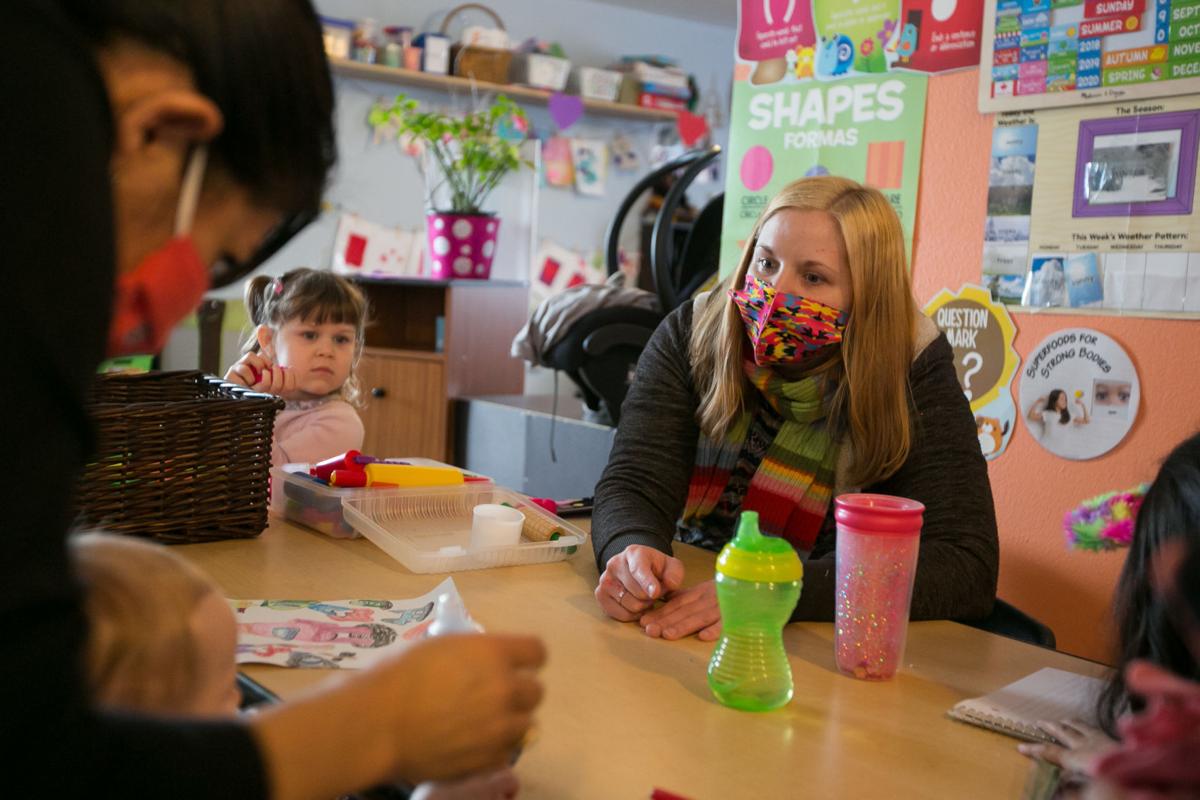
pixel 180 457
pixel 473 61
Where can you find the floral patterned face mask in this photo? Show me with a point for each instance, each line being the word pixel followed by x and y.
pixel 785 328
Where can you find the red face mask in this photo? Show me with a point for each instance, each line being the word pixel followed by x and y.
pixel 163 289
pixel 167 285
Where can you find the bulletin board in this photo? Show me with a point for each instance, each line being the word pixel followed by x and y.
pixel 1047 53
pixel 1096 209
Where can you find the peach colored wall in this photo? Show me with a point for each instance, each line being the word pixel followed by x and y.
pixel 1069 591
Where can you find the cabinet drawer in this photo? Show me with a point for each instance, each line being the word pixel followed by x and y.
pixel 405 404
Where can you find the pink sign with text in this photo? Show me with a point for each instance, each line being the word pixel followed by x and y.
pixel 770 28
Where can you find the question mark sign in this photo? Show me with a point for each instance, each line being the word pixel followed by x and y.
pixel 973 362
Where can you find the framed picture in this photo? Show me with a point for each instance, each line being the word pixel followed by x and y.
pixel 1136 166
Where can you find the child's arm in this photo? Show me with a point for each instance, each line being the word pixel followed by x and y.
pixel 312 436
pixel 254 371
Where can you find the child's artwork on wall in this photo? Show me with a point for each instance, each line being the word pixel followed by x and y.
pixel 981 333
pixel 590 157
pixel 556 162
pixel 362 247
pixel 333 634
pixel 556 268
pixel 1097 207
pixel 625 154
pixel 1079 393
pixel 1043 54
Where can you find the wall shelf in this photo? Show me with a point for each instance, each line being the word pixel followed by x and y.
pixel 408 77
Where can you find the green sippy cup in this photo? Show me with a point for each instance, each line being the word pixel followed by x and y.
pixel 758 584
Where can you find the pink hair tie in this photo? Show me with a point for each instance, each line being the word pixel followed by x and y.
pixel 278 286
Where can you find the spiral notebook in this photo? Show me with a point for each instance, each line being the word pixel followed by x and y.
pixel 1048 694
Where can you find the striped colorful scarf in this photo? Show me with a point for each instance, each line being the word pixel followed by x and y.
pixel 793 485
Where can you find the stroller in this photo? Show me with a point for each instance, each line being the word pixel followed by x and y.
pixel 596 333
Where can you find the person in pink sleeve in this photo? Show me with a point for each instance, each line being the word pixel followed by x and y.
pixel 306 343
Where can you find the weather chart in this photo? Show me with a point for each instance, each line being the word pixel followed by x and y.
pixel 1070 52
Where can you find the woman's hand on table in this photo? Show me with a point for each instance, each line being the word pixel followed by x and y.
pixel 634 579
pixel 1081 745
pixel 693 610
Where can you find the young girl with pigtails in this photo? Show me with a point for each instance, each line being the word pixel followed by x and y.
pixel 307 340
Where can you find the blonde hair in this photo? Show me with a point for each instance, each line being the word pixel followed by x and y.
pixel 871 402
pixel 139 597
pixel 312 295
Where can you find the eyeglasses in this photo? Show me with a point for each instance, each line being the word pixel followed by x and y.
pixel 228 269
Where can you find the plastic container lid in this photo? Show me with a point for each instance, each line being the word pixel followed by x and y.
pixel 750 556
pixel 428 529
pixel 879 514
pixel 334 22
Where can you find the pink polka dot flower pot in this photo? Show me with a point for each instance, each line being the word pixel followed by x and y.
pixel 461 246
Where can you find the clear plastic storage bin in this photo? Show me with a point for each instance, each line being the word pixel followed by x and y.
pixel 429 530
pixel 299 498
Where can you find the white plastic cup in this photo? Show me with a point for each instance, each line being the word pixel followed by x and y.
pixel 494 525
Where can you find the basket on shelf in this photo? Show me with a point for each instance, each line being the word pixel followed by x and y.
pixel 474 61
pixel 180 457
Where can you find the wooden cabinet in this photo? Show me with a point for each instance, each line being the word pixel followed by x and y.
pixel 405 412
pixel 428 343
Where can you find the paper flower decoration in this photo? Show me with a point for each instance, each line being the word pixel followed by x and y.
pixel 1104 522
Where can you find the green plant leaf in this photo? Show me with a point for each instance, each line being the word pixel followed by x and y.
pixel 467 148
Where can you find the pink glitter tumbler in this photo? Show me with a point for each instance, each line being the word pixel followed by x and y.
pixel 877 541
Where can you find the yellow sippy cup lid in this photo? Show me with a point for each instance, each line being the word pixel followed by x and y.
pixel 750 556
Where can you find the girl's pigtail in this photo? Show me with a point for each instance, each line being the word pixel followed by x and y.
pixel 257 298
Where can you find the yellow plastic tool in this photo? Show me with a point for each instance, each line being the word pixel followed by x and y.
pixel 413 475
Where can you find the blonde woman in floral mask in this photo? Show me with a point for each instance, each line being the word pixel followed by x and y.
pixel 809 373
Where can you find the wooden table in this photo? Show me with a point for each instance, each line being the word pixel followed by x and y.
pixel 624 713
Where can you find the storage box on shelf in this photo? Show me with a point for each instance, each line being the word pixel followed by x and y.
pixel 593 83
pixel 541 71
pixel 478 61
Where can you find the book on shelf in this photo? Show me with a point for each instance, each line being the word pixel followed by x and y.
pixel 647 100
pixel 648 73
pixel 633 93
pixel 664 90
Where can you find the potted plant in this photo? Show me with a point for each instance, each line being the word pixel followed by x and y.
pixel 462 158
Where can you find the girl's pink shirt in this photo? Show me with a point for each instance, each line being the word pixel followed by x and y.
pixel 313 430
